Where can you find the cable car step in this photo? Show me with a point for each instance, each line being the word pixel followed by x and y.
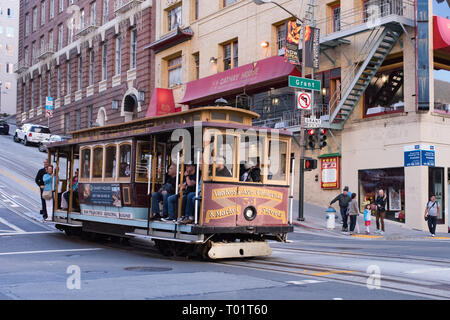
pixel 239 249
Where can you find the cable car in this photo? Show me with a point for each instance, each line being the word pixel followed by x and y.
pixel 231 181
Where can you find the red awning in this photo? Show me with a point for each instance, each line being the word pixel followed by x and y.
pixel 441 33
pixel 162 103
pixel 248 76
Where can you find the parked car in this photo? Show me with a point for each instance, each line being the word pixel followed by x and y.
pixel 4 127
pixel 53 138
pixel 31 134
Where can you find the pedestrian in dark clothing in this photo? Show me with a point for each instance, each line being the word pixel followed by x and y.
pixel 380 203
pixel 431 213
pixel 344 201
pixel 40 183
pixel 353 213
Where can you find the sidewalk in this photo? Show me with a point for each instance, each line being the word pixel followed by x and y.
pixel 316 222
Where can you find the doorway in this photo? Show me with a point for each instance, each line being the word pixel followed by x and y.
pixel 436 187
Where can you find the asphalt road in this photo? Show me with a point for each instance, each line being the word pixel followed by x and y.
pixel 39 262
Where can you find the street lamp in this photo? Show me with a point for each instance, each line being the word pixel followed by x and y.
pixel 302 121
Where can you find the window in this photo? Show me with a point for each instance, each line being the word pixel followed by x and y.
pixel 174 71
pixel 222 161
pixel 60 36
pixel 80 72
pixel 93 13
pixel 281 38
pixel 142 160
pixel 277 165
pixel 67 128
pixel 68 80
pixel 27 24
pixel 27 56
pixel 33 51
pixel 91 67
pixel 385 93
pixel 52 9
pixel 97 163
pixel 196 65
pixel 78 120
pixel 9 50
pixel 85 167
pixel 42 12
pixel 10 13
pixel 124 161
pixel 61 6
pixel 34 19
pixel 133 51
pixel 251 156
pixel 90 112
pixel 195 10
pixel 10 68
pixel 25 106
pixel 227 3
pixel 110 162
pixel 230 55
pixel 58 87
pixel 104 61
pixel 336 13
pixel 118 55
pixel 50 40
pixel 174 18
pixel 70 31
pixel 40 91
pixel 10 32
pixel 42 45
pixel 441 92
pixel 82 19
pixel 32 94
pixel 105 10
pixel 49 84
pixel 8 85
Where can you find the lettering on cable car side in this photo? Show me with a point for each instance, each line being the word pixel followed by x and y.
pixel 274 213
pixel 222 213
pixel 247 192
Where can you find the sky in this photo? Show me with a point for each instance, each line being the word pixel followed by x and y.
pixel 441 9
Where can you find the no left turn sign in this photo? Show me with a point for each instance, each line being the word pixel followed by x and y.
pixel 303 101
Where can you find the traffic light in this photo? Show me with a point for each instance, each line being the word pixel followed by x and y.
pixel 310 164
pixel 322 138
pixel 311 143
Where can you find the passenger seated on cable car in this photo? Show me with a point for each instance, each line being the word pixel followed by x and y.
pixel 66 195
pixel 190 205
pixel 188 186
pixel 221 170
pixel 251 172
pixel 124 170
pixel 164 193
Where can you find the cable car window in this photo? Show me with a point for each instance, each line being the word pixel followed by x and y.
pixel 110 162
pixel 125 161
pixel 251 153
pixel 85 163
pixel 224 161
pixel 97 165
pixel 142 160
pixel 236 118
pixel 218 116
pixel 277 160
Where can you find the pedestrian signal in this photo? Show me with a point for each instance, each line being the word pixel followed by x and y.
pixel 310 164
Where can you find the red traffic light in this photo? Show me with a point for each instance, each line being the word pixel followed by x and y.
pixel 323 131
pixel 311 132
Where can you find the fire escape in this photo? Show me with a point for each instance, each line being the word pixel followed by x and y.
pixel 381 23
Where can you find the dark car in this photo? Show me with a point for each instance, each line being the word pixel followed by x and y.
pixel 4 127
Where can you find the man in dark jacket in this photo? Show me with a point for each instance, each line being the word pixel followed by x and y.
pixel 164 193
pixel 40 183
pixel 344 201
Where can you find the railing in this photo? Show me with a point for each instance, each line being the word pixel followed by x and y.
pixel 90 26
pixel 21 66
pixel 371 11
pixel 121 6
pixel 46 51
pixel 291 119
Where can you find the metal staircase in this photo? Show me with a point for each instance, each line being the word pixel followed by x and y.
pixel 374 51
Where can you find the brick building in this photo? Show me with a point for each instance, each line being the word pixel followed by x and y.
pixel 89 56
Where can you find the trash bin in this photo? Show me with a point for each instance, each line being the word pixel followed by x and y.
pixel 331 216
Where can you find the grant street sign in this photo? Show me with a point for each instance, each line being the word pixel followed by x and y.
pixel 303 83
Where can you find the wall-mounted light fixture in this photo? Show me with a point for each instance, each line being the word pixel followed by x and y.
pixel 384 78
pixel 264 44
pixel 324 91
pixel 213 60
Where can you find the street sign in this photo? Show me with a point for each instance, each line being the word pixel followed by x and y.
pixel 303 83
pixel 49 113
pixel 419 155
pixel 313 122
pixel 49 103
pixel 303 101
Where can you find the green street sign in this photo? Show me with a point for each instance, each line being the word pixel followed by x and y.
pixel 303 83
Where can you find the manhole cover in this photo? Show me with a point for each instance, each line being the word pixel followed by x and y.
pixel 147 269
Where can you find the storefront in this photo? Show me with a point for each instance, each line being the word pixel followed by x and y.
pixel 392 182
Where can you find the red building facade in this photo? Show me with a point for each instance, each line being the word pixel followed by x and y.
pixel 89 56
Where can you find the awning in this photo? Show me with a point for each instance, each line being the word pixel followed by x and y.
pixel 162 103
pixel 249 76
pixel 171 39
pixel 441 34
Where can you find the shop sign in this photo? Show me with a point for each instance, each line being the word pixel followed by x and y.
pixel 419 155
pixel 330 172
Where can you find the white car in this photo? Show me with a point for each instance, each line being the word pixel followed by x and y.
pixel 31 134
pixel 53 138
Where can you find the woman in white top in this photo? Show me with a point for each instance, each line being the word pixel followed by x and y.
pixel 431 213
